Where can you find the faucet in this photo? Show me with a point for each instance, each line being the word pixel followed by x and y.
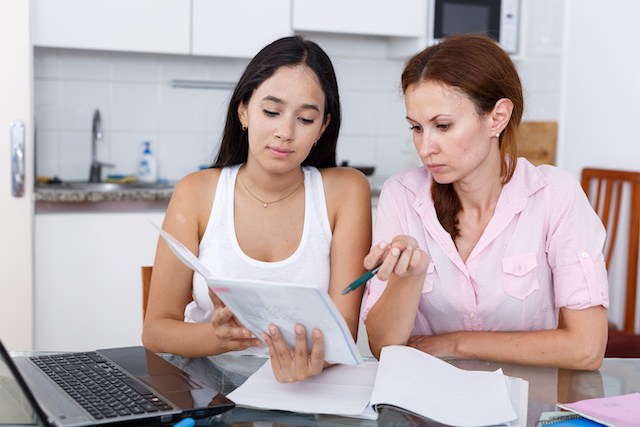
pixel 96 135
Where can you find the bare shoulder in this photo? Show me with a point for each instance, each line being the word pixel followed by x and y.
pixel 343 182
pixel 198 185
pixel 193 197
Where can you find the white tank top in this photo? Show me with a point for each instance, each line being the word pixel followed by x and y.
pixel 220 252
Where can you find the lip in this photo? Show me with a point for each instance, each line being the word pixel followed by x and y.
pixel 434 167
pixel 280 152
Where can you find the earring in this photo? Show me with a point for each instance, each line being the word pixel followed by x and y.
pixel 244 128
pixel 498 135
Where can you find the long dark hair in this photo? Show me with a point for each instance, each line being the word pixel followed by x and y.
pixel 482 70
pixel 287 51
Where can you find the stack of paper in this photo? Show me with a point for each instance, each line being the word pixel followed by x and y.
pixel 405 378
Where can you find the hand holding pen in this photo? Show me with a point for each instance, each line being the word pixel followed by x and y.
pixel 402 257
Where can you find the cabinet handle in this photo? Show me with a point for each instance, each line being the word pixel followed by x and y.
pixel 17 158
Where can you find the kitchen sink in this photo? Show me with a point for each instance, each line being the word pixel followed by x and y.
pixel 105 186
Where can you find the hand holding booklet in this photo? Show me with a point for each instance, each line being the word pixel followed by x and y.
pixel 259 304
pixel 406 379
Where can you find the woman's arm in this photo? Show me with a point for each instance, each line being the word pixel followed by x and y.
pixel 579 345
pixel 164 328
pixel 404 266
pixel 349 205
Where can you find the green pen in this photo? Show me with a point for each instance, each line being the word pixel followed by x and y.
pixel 361 280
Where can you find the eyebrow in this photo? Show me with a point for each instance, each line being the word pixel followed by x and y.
pixel 281 101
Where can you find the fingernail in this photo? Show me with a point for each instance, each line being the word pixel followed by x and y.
pixel 258 343
pixel 395 251
pixel 273 329
pixel 299 330
pixel 409 248
pixel 382 245
pixel 316 333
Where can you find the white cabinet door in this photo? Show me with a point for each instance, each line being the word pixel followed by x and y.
pixel 238 28
pixel 398 18
pixel 160 26
pixel 16 215
pixel 87 278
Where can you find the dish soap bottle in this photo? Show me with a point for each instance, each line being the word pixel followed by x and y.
pixel 148 171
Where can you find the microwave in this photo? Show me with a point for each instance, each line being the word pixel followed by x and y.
pixel 499 19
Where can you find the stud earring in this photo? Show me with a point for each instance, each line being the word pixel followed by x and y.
pixel 498 135
pixel 244 128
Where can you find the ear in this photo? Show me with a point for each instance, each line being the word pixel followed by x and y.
pixel 242 114
pixel 501 115
pixel 324 126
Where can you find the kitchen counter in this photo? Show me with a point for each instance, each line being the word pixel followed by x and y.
pixel 52 197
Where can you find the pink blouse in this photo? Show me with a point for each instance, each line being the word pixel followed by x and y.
pixel 541 250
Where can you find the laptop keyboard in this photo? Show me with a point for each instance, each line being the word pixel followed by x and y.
pixel 100 387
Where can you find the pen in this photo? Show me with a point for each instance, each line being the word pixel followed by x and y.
pixel 361 280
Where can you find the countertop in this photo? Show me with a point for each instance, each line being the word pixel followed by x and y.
pixel 58 198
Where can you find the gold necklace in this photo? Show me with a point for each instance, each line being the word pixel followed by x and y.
pixel 265 204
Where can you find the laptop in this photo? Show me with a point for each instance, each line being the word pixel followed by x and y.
pixel 69 389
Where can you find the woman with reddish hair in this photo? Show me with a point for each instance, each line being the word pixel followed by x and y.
pixel 480 250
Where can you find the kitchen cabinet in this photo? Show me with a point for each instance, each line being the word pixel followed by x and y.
pixel 158 26
pixel 200 27
pixel 238 28
pixel 88 279
pixel 400 18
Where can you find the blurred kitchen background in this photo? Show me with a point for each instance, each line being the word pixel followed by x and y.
pixel 72 271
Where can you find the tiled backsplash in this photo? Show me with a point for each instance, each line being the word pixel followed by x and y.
pixel 184 126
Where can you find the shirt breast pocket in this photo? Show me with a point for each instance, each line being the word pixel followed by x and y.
pixel 520 275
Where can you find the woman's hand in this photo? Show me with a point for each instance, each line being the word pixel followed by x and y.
pixel 402 257
pixel 230 333
pixel 297 365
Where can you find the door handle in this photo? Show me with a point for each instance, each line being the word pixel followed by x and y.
pixel 17 158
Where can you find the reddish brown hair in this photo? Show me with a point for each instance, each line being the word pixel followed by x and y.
pixel 477 66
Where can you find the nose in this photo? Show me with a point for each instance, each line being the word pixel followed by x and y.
pixel 285 130
pixel 425 145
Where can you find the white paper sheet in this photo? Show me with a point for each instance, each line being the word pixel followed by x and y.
pixel 438 390
pixel 405 378
pixel 259 304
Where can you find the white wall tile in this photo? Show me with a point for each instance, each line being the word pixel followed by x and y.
pixel 78 100
pixel 75 155
pixel 46 104
pixel 46 63
pixel 84 64
pixel 135 67
pixel 134 106
pixel 182 109
pixel 47 153
pixel 190 149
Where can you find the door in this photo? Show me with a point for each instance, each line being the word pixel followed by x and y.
pixel 16 213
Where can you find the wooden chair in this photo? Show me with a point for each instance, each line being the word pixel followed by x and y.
pixel 537 142
pixel 146 284
pixel 604 188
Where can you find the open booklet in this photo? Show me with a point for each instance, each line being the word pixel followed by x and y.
pixel 259 304
pixel 405 378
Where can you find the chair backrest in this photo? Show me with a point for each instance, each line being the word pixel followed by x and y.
pixel 146 284
pixel 537 142
pixel 604 188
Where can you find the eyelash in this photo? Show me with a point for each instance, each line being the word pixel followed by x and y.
pixel 302 119
pixel 417 128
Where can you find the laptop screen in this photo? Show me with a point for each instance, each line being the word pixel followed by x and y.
pixel 17 405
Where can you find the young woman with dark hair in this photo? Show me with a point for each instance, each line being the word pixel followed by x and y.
pixel 272 207
pixel 481 250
